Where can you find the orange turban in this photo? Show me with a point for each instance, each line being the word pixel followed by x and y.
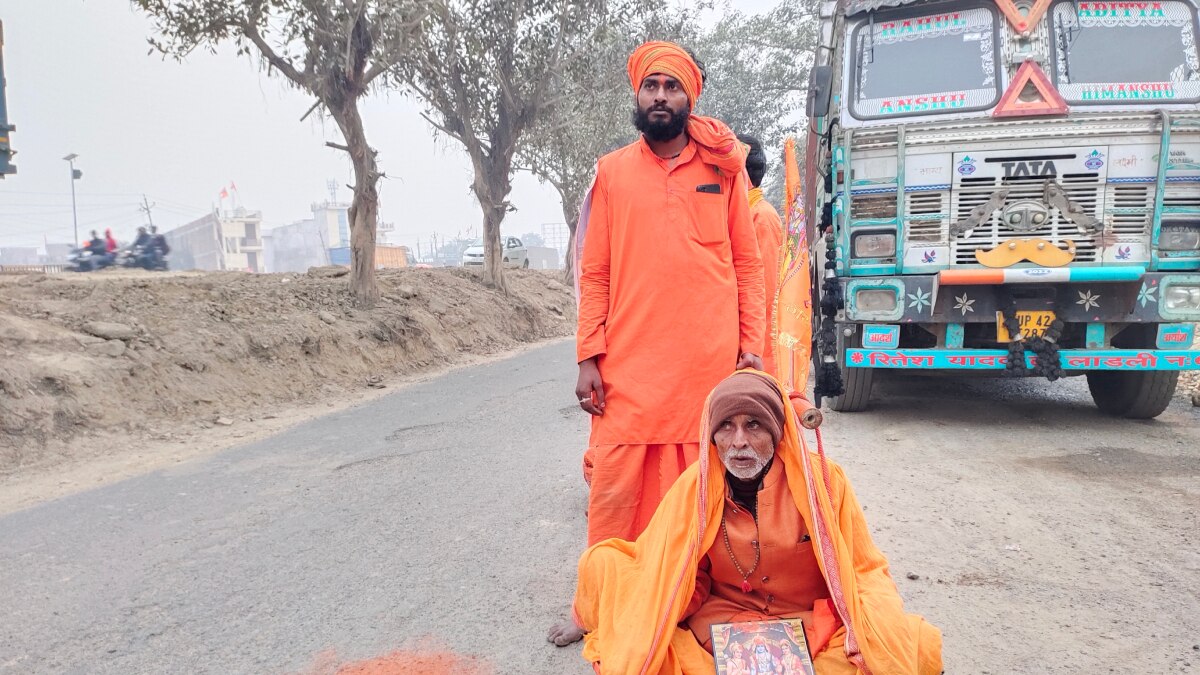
pixel 718 145
pixel 666 58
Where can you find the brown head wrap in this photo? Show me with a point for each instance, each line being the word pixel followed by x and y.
pixel 748 394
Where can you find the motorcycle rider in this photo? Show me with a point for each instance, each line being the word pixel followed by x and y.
pixel 158 247
pixel 99 257
pixel 140 250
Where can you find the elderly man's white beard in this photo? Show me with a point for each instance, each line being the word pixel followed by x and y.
pixel 744 470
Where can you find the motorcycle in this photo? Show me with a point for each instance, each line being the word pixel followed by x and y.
pixel 84 260
pixel 145 257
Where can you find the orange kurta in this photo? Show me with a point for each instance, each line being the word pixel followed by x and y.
pixel 787 581
pixel 768 230
pixel 671 294
pixel 631 596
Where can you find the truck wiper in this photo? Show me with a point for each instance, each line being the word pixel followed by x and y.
pixel 870 51
pixel 1066 40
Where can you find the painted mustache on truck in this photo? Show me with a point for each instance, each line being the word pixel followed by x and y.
pixel 1037 251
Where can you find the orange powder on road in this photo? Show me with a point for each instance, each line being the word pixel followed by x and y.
pixel 404 662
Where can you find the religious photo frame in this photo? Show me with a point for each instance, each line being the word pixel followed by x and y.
pixel 752 647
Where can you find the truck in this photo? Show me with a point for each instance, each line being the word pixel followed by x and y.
pixel 1005 186
pixel 386 257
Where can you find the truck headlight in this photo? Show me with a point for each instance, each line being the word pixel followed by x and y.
pixel 875 245
pixel 875 299
pixel 1183 298
pixel 1179 238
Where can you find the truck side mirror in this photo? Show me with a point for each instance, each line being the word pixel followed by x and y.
pixel 820 91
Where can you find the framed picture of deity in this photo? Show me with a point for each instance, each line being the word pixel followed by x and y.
pixel 760 647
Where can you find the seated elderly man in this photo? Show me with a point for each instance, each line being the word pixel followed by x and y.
pixel 758 529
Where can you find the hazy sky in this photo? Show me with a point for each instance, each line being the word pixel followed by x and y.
pixel 79 80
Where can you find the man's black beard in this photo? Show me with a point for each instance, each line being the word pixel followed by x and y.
pixel 660 131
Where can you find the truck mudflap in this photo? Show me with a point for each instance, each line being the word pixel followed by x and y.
pixel 997 359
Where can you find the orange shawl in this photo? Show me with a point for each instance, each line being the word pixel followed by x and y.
pixel 631 595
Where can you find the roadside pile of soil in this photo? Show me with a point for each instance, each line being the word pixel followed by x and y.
pixel 141 353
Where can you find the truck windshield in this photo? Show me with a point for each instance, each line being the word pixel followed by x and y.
pixel 1156 62
pixel 919 65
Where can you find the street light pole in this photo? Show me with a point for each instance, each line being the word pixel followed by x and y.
pixel 75 175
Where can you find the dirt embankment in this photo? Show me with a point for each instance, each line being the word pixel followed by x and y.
pixel 90 359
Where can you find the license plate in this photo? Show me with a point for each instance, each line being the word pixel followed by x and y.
pixel 1032 323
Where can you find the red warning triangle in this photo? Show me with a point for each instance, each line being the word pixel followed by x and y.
pixel 1025 23
pixel 1030 93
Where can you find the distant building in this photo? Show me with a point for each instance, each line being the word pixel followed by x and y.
pixel 557 235
pixel 295 247
pixel 306 243
pixel 18 255
pixel 543 258
pixel 309 242
pixel 221 240
pixel 56 254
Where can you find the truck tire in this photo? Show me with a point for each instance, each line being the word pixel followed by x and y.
pixel 1136 395
pixel 858 381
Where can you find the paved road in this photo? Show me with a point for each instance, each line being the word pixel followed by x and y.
pixel 1046 538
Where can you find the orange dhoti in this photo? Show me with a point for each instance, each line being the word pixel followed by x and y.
pixel 628 482
pixel 686 656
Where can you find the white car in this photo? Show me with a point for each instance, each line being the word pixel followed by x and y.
pixel 514 252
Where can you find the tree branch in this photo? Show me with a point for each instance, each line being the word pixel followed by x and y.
pixel 355 15
pixel 337 146
pixel 442 128
pixel 315 105
pixel 281 64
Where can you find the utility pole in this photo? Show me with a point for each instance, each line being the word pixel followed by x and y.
pixel 145 208
pixel 76 174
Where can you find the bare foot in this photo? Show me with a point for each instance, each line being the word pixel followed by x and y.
pixel 564 633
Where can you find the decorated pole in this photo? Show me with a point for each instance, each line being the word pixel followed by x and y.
pixel 791 313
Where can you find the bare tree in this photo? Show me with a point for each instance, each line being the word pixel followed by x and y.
pixel 757 72
pixel 563 148
pixel 487 70
pixel 592 115
pixel 757 67
pixel 335 50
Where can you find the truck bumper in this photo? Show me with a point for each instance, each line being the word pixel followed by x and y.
pixel 1086 295
pixel 997 359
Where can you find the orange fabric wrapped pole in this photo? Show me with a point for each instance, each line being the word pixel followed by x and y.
pixel 791 312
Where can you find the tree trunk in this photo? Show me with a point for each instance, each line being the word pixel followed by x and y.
pixel 364 207
pixel 570 209
pixel 493 182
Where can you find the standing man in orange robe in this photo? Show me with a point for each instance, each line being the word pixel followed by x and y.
pixel 768 229
pixel 670 294
pixel 671 291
